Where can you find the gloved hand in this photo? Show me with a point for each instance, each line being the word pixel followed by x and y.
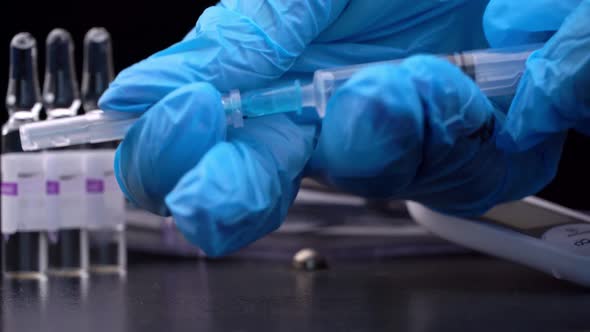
pixel 427 139
pixel 555 91
pixel 424 131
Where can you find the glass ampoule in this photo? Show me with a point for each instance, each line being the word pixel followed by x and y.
pixel 106 207
pixel 68 244
pixel 24 246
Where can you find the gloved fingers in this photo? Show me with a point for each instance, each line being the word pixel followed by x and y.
pixel 166 142
pixel 529 171
pixel 509 23
pixel 409 29
pixel 289 24
pixel 235 45
pixel 553 94
pixel 400 123
pixel 241 189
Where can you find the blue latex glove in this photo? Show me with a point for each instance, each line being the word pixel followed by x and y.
pixel 424 131
pixel 227 187
pixel 555 91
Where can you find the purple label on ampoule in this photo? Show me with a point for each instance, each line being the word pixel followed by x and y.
pixel 9 188
pixel 52 188
pixel 94 186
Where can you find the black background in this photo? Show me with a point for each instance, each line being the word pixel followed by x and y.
pixel 140 28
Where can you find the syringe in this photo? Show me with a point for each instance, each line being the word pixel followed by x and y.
pixel 496 71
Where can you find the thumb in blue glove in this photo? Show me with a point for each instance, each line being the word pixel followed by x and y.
pixel 554 93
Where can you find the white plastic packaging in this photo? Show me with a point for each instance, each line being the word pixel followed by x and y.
pixel 557 244
pixel 23 216
pixel 105 213
pixel 23 193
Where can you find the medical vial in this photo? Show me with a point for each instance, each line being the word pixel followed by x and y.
pixel 24 246
pixel 66 211
pixel 61 97
pixel 105 202
pixel 68 245
pixel 65 186
pixel 98 70
pixel 108 251
pixel 105 214
pixel 68 253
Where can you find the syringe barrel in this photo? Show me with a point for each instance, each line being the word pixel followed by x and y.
pixel 93 127
pixel 496 71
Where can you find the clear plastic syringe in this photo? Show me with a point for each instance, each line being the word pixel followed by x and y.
pixel 496 71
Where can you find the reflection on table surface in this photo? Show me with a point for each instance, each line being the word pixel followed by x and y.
pixel 462 292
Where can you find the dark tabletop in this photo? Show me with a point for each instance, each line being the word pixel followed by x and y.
pixel 462 292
